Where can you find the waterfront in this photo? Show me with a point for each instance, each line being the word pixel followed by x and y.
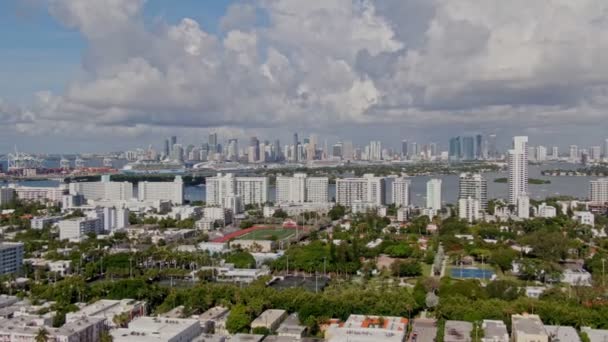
pixel 559 186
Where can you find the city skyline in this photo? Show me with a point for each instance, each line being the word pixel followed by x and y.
pixel 144 69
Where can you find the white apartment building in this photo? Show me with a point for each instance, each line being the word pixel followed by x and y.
pixel 40 222
pixel 71 201
pixel 595 153
pixel 39 194
pixel 546 211
pixel 78 228
pixel 598 190
pixel 108 309
pixel 585 217
pixel 11 257
pixel 523 206
pixel 7 195
pixel 300 189
pixel 473 185
pixel 25 328
pixel 155 191
pixel 368 189
pixel 518 169
pixel 105 189
pixel 541 153
pixel 469 209
pixel 574 154
pixel 401 192
pixel 232 192
pixel 433 194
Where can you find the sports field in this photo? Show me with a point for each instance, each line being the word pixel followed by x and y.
pixel 268 234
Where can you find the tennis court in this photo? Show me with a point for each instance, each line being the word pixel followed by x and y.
pixel 471 273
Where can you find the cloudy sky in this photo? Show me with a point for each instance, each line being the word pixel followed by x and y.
pixel 99 75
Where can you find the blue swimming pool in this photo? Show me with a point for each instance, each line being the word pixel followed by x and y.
pixel 471 273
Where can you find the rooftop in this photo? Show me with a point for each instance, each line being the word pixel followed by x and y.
pixel 562 334
pixel 457 331
pixel 268 317
pixel 528 324
pixel 424 329
pixel 495 330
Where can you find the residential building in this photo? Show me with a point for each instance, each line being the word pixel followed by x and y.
pixel 457 331
pixel 574 154
pixel 78 228
pixel 577 277
pixel 71 201
pixel 291 328
pixel 433 194
pixel 517 158
pixel 42 222
pixel 11 257
pixel 155 191
pixel 39 194
pixel 232 192
pixel 598 190
pixel 368 189
pixel 523 206
pixel 423 329
pixel 469 209
pixel 269 319
pixel 7 195
pixel 25 328
pixel 528 328
pixel 546 211
pixel 595 153
pixel 494 331
pixel 585 217
pixel 401 192
pixel 361 328
pixel 108 309
pixel 560 333
pixel 103 190
pixel 156 329
pixel 475 186
pixel 300 188
pixel 596 335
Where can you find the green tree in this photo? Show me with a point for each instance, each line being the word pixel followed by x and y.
pixel 42 335
pixel 238 320
pixel 503 258
pixel 105 336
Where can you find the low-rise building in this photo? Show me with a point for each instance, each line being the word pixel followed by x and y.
pixel 106 308
pixel 77 228
pixel 269 319
pixel 41 222
pixel 291 327
pixel 528 328
pixel 595 335
pixel 546 211
pixel 457 331
pixel 585 217
pixel 576 277
pixel 214 247
pixel 263 246
pixel 25 329
pixel 215 318
pixel 7 195
pixel 562 334
pixel 360 328
pixel 423 329
pixel 494 331
pixel 154 329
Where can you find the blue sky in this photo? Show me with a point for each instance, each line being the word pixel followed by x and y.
pixel 38 53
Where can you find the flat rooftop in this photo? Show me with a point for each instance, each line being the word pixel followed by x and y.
pixel 528 324
pixel 424 330
pixel 457 331
pixel 268 317
pixel 375 322
pixel 562 333
pixel 495 330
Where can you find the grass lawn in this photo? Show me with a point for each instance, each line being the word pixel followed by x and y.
pixel 268 234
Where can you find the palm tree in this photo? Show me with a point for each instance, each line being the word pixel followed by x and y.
pixel 105 337
pixel 42 335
